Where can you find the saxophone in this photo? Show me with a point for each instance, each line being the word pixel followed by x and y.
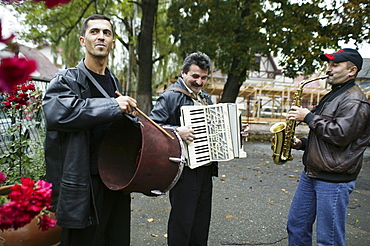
pixel 284 131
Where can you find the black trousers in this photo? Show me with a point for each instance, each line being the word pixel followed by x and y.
pixel 191 202
pixel 113 209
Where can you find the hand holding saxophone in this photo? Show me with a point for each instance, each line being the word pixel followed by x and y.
pixel 297 143
pixel 297 113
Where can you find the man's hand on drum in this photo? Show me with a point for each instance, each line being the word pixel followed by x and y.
pixel 245 131
pixel 126 104
pixel 186 133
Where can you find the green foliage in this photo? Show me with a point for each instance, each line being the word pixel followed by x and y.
pixel 296 30
pixel 231 32
pixel 166 62
pixel 351 20
pixel 3 200
pixel 225 30
pixel 60 26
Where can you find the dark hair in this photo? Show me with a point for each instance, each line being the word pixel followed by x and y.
pixel 94 17
pixel 198 58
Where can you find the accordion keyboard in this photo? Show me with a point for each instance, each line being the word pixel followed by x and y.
pixel 212 134
pixel 199 150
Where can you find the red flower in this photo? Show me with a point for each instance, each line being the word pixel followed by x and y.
pixel 45 222
pixel 24 95
pixel 25 88
pixel 2 175
pixel 12 99
pixel 19 96
pixel 53 3
pixel 31 87
pixel 7 105
pixel 43 184
pixel 23 98
pixel 14 71
pixel 28 200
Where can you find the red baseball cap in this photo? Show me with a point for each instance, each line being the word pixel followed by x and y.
pixel 343 55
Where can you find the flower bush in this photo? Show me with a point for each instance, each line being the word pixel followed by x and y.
pixel 24 158
pixel 29 199
pixel 22 142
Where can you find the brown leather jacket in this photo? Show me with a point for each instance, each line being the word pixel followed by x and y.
pixel 339 135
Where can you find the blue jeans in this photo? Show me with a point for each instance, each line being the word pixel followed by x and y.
pixel 324 201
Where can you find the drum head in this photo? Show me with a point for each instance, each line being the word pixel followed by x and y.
pixel 118 153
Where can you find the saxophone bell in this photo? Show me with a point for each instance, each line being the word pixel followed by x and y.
pixel 277 143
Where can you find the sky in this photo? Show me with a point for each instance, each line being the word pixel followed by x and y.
pixel 364 49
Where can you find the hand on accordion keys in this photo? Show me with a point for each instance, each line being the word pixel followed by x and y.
pixel 186 133
pixel 245 132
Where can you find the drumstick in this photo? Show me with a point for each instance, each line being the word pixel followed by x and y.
pixel 151 121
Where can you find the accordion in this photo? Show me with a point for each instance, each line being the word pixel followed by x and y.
pixel 217 131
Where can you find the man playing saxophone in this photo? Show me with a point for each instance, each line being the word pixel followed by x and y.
pixel 339 134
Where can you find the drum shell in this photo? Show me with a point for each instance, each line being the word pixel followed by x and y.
pixel 137 158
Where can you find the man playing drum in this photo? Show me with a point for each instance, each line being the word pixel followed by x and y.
pixel 79 104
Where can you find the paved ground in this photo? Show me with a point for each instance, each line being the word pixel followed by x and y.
pixel 250 204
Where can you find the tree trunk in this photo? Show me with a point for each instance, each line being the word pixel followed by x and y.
pixel 145 49
pixel 233 83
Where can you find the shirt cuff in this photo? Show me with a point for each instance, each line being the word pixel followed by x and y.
pixel 308 117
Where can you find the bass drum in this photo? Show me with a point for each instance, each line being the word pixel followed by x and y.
pixel 138 157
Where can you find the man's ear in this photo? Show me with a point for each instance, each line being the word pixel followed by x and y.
pixel 352 71
pixel 82 41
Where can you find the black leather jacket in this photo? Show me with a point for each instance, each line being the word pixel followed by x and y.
pixel 70 114
pixel 166 111
pixel 339 135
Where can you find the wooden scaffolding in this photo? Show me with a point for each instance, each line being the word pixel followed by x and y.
pixel 269 102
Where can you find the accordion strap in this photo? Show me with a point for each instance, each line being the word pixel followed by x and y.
pixel 188 94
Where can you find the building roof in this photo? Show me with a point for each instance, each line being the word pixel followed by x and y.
pixel 45 68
